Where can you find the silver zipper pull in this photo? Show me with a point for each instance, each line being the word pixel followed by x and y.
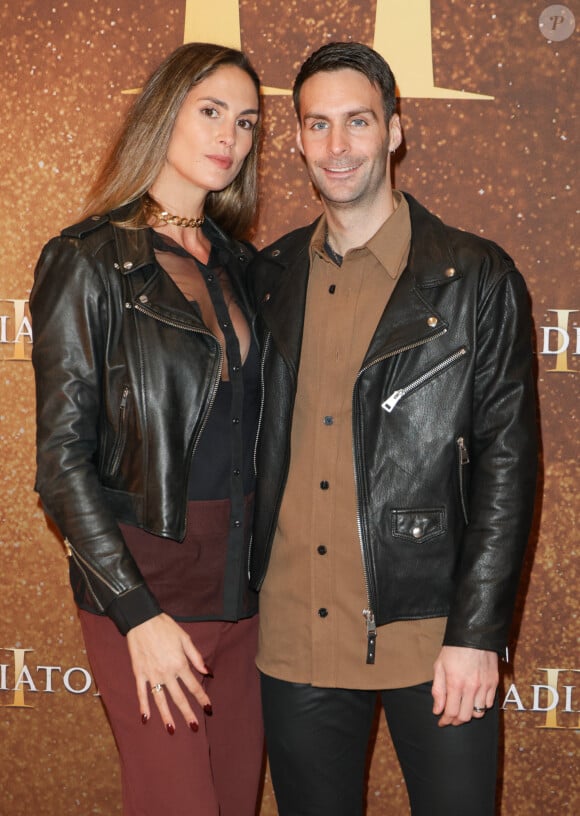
pixel 464 455
pixel 371 634
pixel 391 401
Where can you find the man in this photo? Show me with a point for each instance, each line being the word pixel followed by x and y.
pixel 396 469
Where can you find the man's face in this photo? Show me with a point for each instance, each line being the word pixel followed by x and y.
pixel 344 138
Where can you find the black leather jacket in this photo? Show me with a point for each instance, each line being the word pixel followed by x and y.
pixel 125 375
pixel 444 429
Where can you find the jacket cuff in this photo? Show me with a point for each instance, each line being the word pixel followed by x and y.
pixel 500 648
pixel 132 608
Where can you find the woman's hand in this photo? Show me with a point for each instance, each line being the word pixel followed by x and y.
pixel 162 654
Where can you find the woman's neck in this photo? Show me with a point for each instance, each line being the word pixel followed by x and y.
pixel 187 205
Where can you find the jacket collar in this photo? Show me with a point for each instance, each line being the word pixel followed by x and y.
pixel 431 256
pixel 408 319
pixel 133 252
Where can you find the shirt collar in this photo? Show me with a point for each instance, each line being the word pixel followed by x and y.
pixel 317 241
pixel 390 244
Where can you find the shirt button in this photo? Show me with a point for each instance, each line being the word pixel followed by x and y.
pixel 236 420
pixel 209 278
pixel 225 324
pixel 235 368
pixel 236 471
pixel 237 523
pixel 324 485
pixel 321 549
pixel 332 288
pixel 322 612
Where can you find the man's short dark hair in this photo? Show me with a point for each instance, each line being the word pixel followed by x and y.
pixel 338 55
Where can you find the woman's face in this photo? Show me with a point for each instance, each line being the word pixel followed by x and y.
pixel 212 134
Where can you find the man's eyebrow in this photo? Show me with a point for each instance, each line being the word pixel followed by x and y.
pixel 347 114
pixel 221 104
pixel 359 111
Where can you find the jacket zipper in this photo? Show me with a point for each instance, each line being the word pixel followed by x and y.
pixel 261 414
pixel 463 460
pixel 84 566
pixel 369 612
pixel 389 404
pixel 212 397
pixel 259 428
pixel 120 443
pixel 369 616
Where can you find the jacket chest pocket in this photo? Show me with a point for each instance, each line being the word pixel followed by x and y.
pixel 418 524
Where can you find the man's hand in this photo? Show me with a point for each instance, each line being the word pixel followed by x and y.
pixel 464 684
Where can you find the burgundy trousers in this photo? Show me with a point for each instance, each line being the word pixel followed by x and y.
pixel 214 772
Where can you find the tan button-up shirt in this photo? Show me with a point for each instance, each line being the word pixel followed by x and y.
pixel 312 629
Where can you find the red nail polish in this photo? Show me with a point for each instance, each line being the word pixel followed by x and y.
pixel 144 719
pixel 194 726
pixel 170 729
pixel 208 709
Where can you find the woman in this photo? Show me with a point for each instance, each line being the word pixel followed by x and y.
pixel 147 377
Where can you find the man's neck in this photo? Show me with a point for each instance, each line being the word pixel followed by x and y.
pixel 352 226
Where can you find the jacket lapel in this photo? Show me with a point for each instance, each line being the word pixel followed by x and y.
pixel 156 291
pixel 409 319
pixel 283 296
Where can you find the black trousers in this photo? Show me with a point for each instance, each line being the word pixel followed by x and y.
pixel 317 741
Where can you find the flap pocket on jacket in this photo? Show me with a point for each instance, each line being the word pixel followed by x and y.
pixel 418 524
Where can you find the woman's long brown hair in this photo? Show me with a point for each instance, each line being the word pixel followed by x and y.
pixel 136 156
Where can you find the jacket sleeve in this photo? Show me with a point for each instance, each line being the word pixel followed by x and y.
pixel 504 456
pixel 69 309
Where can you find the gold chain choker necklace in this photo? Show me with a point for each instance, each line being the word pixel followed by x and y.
pixel 163 217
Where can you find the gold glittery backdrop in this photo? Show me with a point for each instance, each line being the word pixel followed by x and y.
pixel 504 167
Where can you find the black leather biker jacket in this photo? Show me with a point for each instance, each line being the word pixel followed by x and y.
pixel 126 373
pixel 444 437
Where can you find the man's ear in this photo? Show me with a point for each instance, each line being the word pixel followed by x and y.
pixel 299 138
pixel 395 133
